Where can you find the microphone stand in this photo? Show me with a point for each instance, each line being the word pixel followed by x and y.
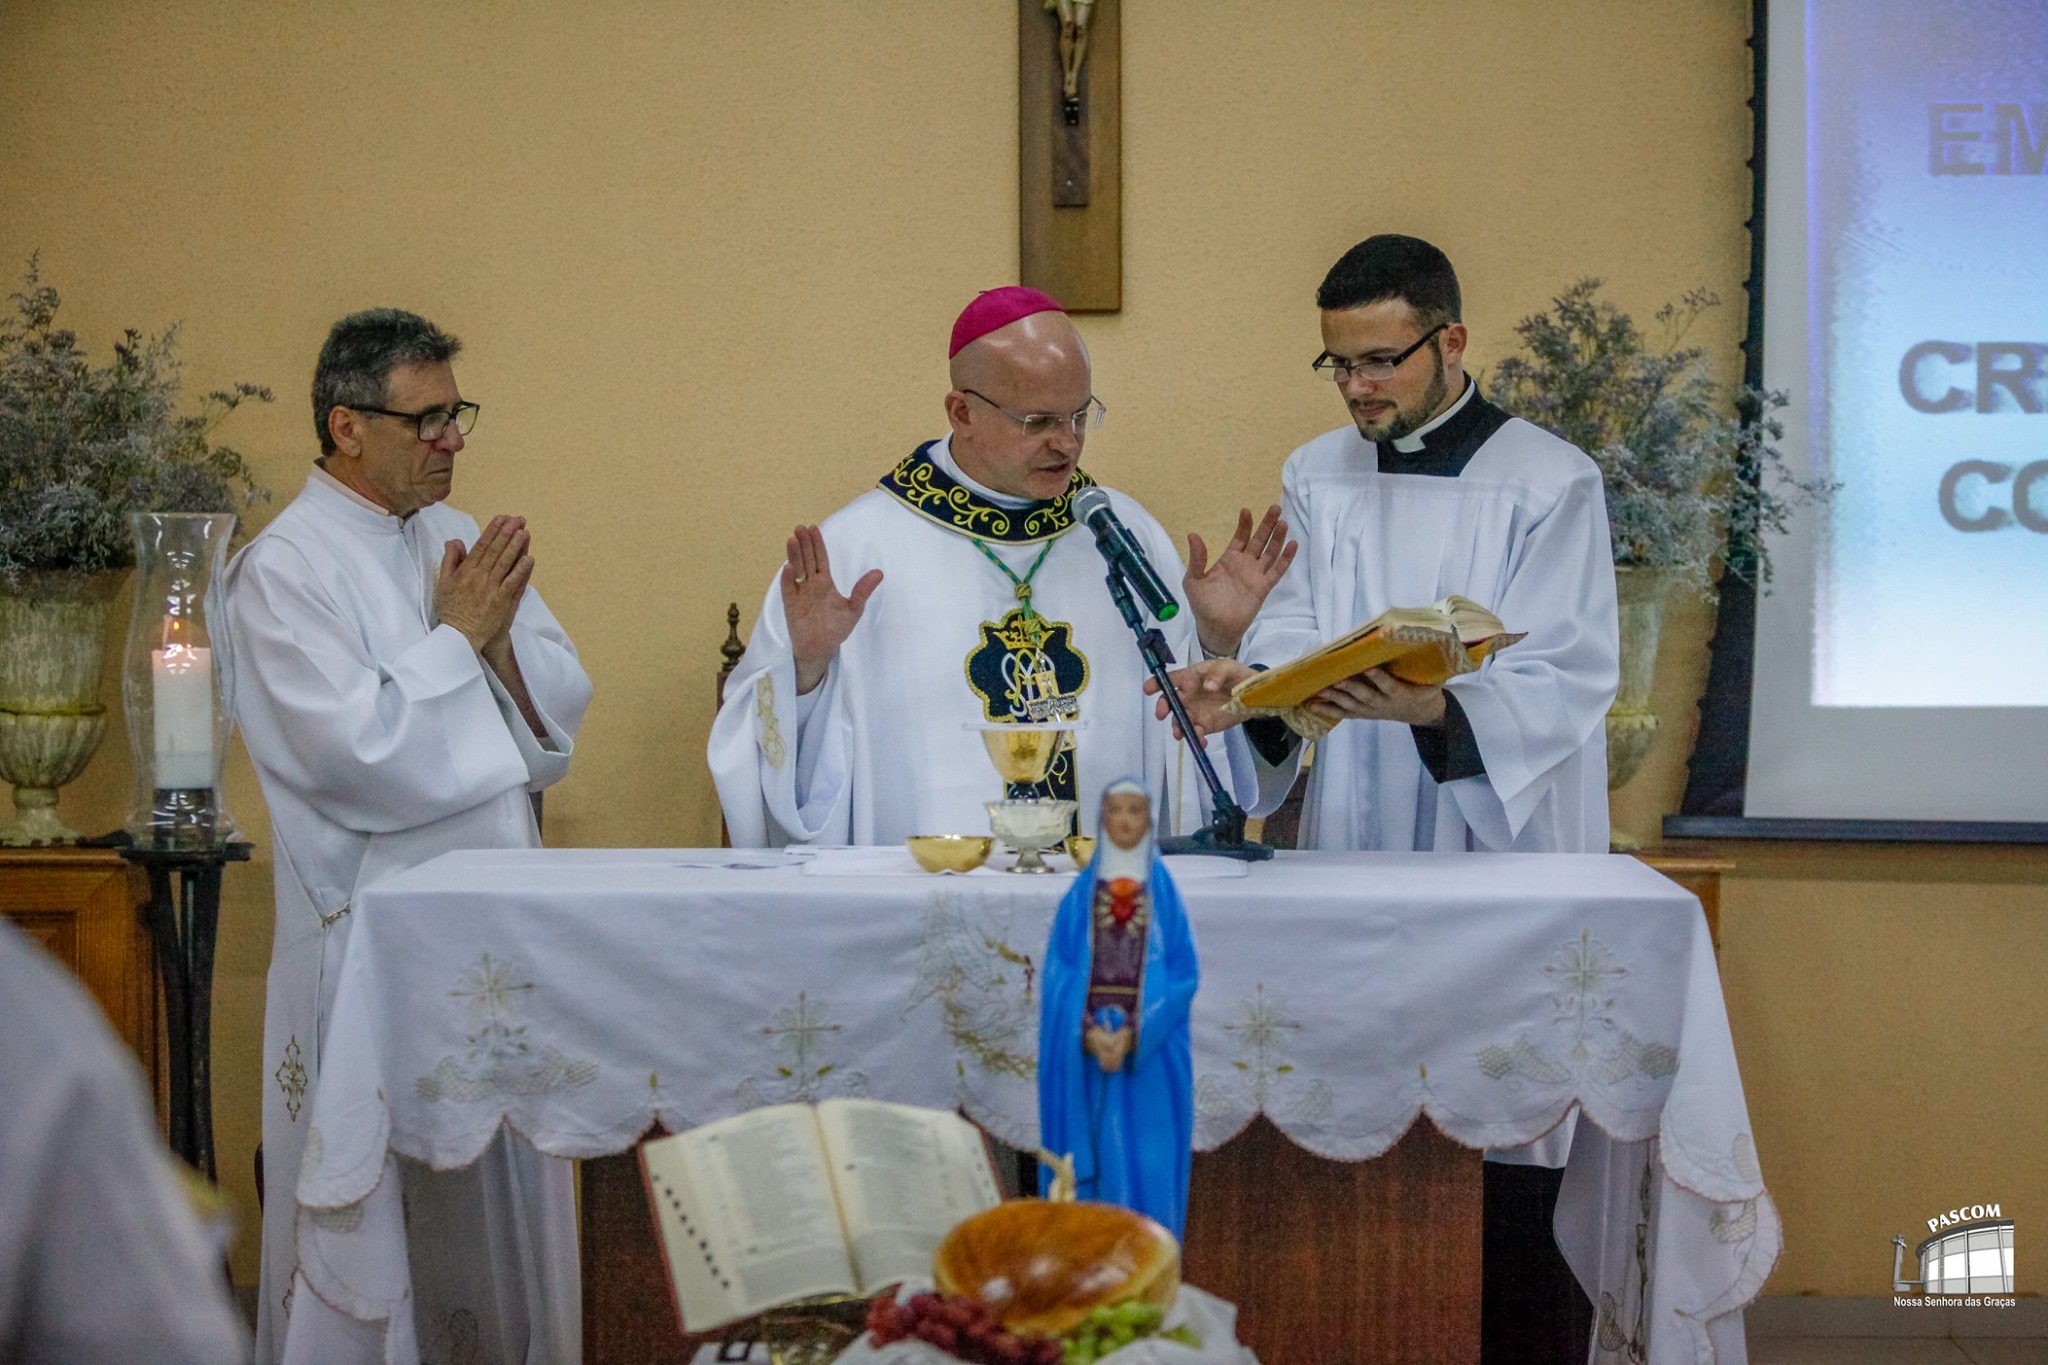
pixel 1224 835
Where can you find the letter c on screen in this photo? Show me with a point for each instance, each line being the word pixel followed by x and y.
pixel 2023 509
pixel 1992 518
pixel 1955 400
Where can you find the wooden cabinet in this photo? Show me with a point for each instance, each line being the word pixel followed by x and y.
pixel 90 908
pixel 1699 871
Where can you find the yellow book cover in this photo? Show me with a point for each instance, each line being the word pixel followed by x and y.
pixel 1423 645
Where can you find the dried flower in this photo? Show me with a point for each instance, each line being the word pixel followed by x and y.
pixel 82 446
pixel 1692 471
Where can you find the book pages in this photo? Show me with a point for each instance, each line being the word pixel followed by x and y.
pixel 905 1177
pixel 747 1215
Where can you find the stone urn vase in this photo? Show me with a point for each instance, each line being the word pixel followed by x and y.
pixel 53 637
pixel 1632 720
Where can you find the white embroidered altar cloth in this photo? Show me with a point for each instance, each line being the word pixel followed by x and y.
pixel 579 996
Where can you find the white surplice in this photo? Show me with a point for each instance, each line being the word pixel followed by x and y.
pixel 101 1258
pixel 1522 530
pixel 881 749
pixel 381 740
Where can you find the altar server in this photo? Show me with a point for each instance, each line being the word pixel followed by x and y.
pixel 959 592
pixel 101 1256
pixel 402 692
pixel 1431 491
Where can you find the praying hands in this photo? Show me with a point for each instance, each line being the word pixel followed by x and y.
pixel 478 588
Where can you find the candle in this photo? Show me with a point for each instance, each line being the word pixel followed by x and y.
pixel 183 694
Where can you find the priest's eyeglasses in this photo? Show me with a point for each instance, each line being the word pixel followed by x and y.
pixel 432 424
pixel 1037 424
pixel 1374 368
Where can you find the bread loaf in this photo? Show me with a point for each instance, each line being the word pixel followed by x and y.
pixel 1044 1265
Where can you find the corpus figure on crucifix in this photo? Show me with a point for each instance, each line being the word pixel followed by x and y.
pixel 1073 51
pixel 1115 1070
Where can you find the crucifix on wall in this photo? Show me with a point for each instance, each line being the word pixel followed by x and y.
pixel 1070 155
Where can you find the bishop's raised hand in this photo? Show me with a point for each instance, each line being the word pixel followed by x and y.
pixel 1226 595
pixel 819 616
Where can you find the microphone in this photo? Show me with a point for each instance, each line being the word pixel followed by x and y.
pixel 1125 555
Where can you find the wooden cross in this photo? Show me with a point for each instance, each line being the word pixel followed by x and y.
pixel 1070 153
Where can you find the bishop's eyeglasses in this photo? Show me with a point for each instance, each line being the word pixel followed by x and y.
pixel 432 424
pixel 1035 424
pixel 1374 368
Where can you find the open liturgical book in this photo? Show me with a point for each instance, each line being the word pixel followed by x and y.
pixel 795 1200
pixel 1423 645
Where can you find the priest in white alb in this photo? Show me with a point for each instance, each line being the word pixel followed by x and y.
pixel 960 592
pixel 402 692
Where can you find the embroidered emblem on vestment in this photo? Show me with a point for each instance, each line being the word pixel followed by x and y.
pixel 1026 669
pixel 292 1079
pixel 771 733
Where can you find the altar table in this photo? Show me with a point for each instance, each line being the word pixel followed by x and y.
pixel 578 997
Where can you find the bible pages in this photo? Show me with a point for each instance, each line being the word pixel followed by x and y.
pixel 796 1201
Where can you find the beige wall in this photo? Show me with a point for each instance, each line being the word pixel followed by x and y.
pixel 705 256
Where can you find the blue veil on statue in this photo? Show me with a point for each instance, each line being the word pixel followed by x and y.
pixel 1115 1085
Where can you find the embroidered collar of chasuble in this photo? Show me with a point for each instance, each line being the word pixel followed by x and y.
pixel 919 484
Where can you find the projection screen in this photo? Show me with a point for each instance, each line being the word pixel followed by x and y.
pixel 1901 668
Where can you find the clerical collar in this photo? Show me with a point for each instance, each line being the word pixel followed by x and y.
pixel 1415 440
pixel 327 480
pixel 1446 444
pixel 942 456
pixel 929 482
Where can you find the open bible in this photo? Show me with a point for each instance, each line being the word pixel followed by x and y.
pixel 1424 645
pixel 796 1200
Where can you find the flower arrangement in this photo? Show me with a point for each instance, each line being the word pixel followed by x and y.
pixel 83 445
pixel 1692 471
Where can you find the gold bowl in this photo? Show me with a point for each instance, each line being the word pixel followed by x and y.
pixel 950 852
pixel 1080 847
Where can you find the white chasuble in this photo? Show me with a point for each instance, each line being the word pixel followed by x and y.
pixel 883 747
pixel 381 740
pixel 1510 516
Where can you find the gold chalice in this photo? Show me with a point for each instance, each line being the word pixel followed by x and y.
pixel 1023 755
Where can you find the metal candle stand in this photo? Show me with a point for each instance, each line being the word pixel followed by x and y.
pixel 184 919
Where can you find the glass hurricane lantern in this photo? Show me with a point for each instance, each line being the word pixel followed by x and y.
pixel 176 687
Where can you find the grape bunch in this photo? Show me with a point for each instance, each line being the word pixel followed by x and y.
pixel 1109 1329
pixel 960 1325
